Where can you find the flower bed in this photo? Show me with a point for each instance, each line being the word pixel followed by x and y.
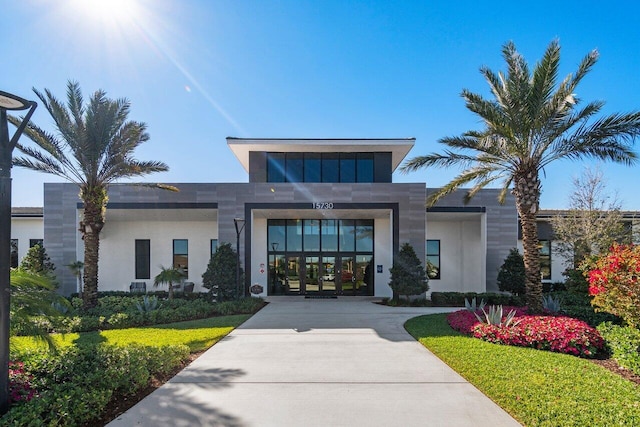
pixel 553 333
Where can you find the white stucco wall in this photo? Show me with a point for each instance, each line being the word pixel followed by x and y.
pixel 383 255
pixel 117 247
pixel 462 255
pixel 25 229
pixel 259 255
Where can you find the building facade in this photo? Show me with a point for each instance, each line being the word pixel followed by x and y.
pixel 317 217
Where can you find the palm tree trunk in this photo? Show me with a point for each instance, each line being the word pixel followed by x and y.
pixel 95 200
pixel 170 290
pixel 527 194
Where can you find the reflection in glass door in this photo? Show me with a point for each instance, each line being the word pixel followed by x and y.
pixel 364 275
pixel 328 279
pixel 347 278
pixel 292 279
pixel 312 270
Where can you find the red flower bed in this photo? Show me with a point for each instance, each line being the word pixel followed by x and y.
pixel 553 333
pixel 20 388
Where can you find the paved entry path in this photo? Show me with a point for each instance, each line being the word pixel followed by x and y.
pixel 318 362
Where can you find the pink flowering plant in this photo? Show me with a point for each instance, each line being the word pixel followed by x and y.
pixel 553 333
pixel 20 387
pixel 614 283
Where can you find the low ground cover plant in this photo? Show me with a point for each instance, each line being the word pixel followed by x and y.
pixel 74 386
pixel 553 333
pixel 624 344
pixel 538 388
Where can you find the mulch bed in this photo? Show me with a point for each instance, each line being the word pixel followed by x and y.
pixel 613 366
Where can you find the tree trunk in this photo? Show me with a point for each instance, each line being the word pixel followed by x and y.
pixel 95 200
pixel 170 290
pixel 527 194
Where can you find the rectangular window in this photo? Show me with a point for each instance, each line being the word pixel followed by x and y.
pixel 312 165
pixel 347 235
pixel 275 167
pixel 330 167
pixel 276 234
pixel 545 259
pixel 214 246
pixel 143 259
pixel 364 167
pixel 181 255
pixel 294 167
pixel 433 259
pixel 294 235
pixel 14 253
pixel 311 234
pixel 364 235
pixel 33 242
pixel 347 168
pixel 329 233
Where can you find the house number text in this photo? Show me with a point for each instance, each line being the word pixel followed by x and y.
pixel 322 205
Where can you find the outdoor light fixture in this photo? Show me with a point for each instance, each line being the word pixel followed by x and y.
pixel 239 223
pixel 274 280
pixel 8 102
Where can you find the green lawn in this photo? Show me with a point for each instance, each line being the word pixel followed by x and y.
pixel 198 335
pixel 537 388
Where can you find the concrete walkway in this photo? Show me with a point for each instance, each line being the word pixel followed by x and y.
pixel 318 362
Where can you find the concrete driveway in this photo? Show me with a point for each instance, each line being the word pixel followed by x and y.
pixel 318 362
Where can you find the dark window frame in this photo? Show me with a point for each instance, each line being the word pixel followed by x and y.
pixel 14 257
pixel 185 267
pixel 438 276
pixel 545 259
pixel 142 258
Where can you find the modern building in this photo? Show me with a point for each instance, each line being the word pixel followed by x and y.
pixel 26 231
pixel 317 217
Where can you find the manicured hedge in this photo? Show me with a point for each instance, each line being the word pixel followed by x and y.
pixel 624 344
pixel 117 312
pixel 76 385
pixel 456 299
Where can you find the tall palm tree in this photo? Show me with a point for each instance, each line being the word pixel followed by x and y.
pixel 531 121
pixel 169 275
pixel 93 147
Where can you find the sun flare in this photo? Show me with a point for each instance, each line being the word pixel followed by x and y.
pixel 109 12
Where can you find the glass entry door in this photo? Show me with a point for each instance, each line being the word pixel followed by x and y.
pixel 320 275
pixel 292 279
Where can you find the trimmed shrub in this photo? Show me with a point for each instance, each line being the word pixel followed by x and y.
pixel 408 276
pixel 614 284
pixel 220 277
pixel 76 385
pixel 511 274
pixel 624 344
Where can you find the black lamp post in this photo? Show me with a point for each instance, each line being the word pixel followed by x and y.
pixel 274 248
pixel 8 102
pixel 239 223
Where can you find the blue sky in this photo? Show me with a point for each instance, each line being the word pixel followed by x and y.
pixel 197 71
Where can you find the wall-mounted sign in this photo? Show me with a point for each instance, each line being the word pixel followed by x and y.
pixel 322 205
pixel 379 268
pixel 256 289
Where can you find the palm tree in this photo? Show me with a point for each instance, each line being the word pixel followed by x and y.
pixel 169 275
pixel 33 296
pixel 76 268
pixel 531 121
pixel 93 147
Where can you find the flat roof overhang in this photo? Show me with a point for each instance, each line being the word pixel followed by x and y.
pixel 399 148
